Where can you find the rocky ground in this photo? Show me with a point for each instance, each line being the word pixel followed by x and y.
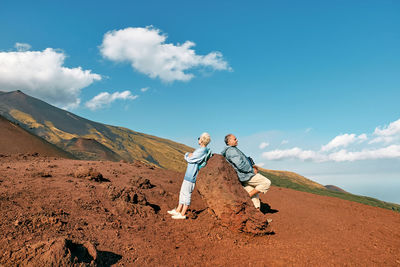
pixel 94 213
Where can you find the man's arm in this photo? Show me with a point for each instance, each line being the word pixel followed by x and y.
pixel 241 164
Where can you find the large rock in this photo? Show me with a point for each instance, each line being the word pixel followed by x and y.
pixel 57 252
pixel 219 186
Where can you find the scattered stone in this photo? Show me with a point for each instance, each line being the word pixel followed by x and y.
pixel 141 182
pixel 131 200
pixel 58 252
pixel 161 192
pixel 43 174
pixel 89 173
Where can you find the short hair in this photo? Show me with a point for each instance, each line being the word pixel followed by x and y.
pixel 205 139
pixel 227 138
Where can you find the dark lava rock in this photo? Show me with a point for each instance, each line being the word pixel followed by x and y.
pixel 219 186
pixel 141 182
pixel 89 173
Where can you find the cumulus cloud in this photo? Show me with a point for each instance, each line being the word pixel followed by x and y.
pixel 144 89
pixel 105 99
pixel 147 52
pixel 291 154
pixel 343 141
pixel 389 136
pixel 389 152
pixel 42 74
pixel 263 145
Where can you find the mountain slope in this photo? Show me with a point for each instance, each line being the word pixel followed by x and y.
pixel 291 177
pixel 91 149
pixel 59 127
pixel 15 140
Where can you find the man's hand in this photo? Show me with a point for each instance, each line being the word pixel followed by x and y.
pixel 255 168
pixel 190 154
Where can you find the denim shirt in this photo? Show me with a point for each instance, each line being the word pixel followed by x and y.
pixel 193 163
pixel 240 163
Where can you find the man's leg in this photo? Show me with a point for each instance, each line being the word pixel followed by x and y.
pixel 254 197
pixel 255 185
pixel 260 183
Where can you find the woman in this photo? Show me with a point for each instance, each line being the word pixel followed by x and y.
pixel 195 160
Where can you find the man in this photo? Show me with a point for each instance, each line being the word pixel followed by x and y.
pixel 252 181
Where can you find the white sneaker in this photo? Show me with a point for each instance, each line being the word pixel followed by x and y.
pixel 178 217
pixel 173 212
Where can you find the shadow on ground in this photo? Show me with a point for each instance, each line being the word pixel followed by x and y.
pixel 265 208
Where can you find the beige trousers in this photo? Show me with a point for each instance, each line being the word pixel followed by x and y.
pixel 259 182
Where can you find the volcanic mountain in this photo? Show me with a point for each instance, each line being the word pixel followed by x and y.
pixel 15 140
pixel 87 139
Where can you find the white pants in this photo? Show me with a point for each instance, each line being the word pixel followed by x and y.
pixel 259 182
pixel 185 195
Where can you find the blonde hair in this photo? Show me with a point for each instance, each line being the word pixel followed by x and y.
pixel 205 139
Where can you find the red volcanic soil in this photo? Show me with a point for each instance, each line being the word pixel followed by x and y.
pixel 14 139
pixel 68 212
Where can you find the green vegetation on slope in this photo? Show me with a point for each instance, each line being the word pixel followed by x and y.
pixel 283 181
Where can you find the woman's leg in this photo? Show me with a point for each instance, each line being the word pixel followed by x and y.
pixel 184 209
pixel 179 208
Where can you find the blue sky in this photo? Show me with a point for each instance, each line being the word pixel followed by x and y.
pixel 306 86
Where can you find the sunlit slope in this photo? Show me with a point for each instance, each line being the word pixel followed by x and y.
pixel 297 182
pixel 291 177
pixel 16 140
pixel 91 149
pixel 61 128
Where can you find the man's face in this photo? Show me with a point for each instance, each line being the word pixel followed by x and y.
pixel 232 141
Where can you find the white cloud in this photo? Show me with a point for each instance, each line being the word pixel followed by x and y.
pixel 42 74
pixel 389 152
pixel 263 145
pixel 290 154
pixel 144 89
pixel 387 134
pixel 284 142
pixel 22 46
pixel 145 49
pixel 329 152
pixel 104 99
pixel 343 141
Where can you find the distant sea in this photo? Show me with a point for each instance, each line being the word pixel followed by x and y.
pixel 383 188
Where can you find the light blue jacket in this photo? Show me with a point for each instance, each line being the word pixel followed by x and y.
pixel 240 163
pixel 197 158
